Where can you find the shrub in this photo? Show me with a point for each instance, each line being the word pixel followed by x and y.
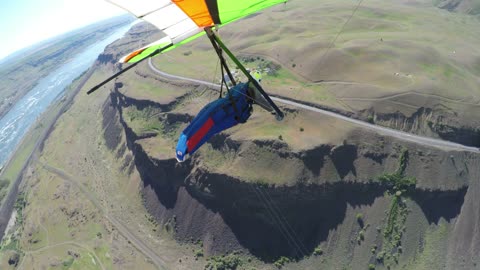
pixel 281 262
pixel 14 259
pixel 380 256
pixel 199 253
pixel 318 251
pixel 359 218
pixel 229 262
pixel 361 235
pixel 370 119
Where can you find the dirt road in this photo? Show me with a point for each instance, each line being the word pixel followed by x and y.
pixel 139 244
pixel 432 142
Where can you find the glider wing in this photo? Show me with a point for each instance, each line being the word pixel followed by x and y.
pixel 185 20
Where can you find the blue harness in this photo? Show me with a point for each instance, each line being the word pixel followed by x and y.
pixel 215 117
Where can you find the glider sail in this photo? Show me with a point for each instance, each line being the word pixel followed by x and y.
pixel 184 20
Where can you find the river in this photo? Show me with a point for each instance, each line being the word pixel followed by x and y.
pixel 23 114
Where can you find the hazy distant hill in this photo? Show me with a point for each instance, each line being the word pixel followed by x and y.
pixel 464 6
pixel 21 70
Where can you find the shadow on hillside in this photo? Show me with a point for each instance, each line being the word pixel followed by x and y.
pixel 292 221
pixel 284 221
pixel 440 204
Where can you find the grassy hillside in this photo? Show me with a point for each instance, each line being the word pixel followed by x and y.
pixel 389 63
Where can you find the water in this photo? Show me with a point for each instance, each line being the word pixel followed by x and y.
pixel 18 120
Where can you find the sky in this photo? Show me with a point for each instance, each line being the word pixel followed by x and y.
pixel 26 22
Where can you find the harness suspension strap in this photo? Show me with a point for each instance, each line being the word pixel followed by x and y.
pixel 218 42
pixel 218 50
pixel 223 81
pixel 223 62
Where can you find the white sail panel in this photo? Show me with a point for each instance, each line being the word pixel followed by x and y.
pixel 140 8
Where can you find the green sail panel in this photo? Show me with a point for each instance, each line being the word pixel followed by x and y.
pixel 232 10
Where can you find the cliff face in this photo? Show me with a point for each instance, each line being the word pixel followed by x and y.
pixel 316 206
pixel 434 122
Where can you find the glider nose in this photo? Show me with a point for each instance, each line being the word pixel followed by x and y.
pixel 182 149
pixel 180 157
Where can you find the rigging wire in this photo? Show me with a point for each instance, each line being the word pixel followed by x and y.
pixel 209 99
pixel 276 216
pixel 275 207
pixel 322 58
pixel 276 223
pixel 341 30
pixel 328 48
pixel 280 219
pixel 213 79
pixel 263 195
pixel 275 213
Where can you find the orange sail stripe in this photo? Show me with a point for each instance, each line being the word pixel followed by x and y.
pixel 133 54
pixel 196 10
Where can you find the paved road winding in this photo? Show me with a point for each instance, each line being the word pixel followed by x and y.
pixel 405 136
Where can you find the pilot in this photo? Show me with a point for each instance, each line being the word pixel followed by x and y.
pixel 235 108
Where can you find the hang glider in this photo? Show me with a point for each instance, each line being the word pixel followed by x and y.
pixel 184 20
